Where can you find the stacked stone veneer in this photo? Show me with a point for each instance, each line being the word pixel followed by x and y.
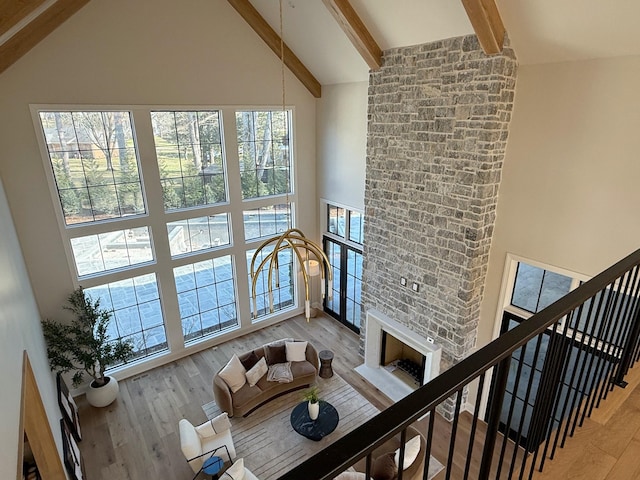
pixel 438 119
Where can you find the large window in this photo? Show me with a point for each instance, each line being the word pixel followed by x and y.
pixel 206 296
pixel 135 303
pixel 95 164
pixel 263 150
pixel 198 233
pixel 189 154
pixel 153 237
pixel 266 222
pixel 536 288
pixel 111 250
pixel 264 156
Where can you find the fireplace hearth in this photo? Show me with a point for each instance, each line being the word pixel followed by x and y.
pixel 397 359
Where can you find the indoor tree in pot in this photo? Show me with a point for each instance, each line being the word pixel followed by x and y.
pixel 311 395
pixel 84 346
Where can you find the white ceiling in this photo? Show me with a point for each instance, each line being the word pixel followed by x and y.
pixel 546 31
pixel 541 31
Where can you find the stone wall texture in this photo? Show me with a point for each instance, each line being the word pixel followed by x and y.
pixel 438 119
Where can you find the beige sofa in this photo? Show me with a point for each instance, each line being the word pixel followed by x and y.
pixel 248 398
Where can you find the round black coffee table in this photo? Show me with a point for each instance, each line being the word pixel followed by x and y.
pixel 322 426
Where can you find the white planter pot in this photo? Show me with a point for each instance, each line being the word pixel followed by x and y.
pixel 103 396
pixel 314 410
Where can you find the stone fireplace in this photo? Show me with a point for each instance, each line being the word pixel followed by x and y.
pixel 438 119
pixel 388 378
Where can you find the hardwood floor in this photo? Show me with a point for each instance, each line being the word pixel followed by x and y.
pixel 607 447
pixel 137 436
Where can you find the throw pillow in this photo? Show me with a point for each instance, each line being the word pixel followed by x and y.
pixel 248 360
pixel 277 343
pixel 384 467
pixel 280 372
pixel 275 354
pixel 296 351
pixel 235 471
pixel 257 372
pixel 351 476
pixel 233 374
pixel 411 450
pixel 214 426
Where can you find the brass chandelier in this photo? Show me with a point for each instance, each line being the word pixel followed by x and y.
pixel 309 255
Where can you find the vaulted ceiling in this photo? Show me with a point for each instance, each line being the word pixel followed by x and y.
pixel 338 41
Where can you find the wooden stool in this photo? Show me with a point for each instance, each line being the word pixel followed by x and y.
pixel 325 356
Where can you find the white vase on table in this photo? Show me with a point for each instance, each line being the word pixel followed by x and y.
pixel 314 410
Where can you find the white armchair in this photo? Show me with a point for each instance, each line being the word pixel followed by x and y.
pixel 198 443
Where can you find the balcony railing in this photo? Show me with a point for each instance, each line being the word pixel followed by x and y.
pixel 575 351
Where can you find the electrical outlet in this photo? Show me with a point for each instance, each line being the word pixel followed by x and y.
pixel 403 281
pixel 415 287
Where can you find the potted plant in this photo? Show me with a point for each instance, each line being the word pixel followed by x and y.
pixel 84 346
pixel 311 395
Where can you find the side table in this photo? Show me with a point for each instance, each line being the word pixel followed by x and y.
pixel 325 356
pixel 212 466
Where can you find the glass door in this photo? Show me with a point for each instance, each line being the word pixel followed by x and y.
pixel 346 304
pixel 333 250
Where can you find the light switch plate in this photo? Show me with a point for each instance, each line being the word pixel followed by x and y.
pixel 415 287
pixel 403 281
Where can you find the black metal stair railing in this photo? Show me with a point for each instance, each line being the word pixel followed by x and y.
pixel 547 375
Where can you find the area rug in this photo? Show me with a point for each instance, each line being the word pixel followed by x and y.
pixel 269 445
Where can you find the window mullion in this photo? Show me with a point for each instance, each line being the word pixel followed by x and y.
pixel 236 208
pixel 157 224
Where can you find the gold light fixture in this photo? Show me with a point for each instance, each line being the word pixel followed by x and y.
pixel 308 254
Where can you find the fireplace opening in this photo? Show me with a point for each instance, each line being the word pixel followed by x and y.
pixel 401 360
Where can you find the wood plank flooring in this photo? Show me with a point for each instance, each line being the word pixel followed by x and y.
pixel 607 447
pixel 137 436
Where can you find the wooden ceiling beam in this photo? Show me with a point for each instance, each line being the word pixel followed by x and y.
pixel 14 12
pixel 36 30
pixel 486 22
pixel 272 39
pixel 356 31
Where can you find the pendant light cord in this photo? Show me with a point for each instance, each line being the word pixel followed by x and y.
pixel 284 110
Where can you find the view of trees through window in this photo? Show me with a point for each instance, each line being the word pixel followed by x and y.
pixel 189 153
pixel 94 163
pixel 263 149
pixel 114 217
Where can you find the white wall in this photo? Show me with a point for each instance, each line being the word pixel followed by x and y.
pixel 569 194
pixel 118 52
pixel 19 330
pixel 342 143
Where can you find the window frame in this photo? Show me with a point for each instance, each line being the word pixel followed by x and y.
pixel 508 284
pixel 156 219
pixel 345 244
